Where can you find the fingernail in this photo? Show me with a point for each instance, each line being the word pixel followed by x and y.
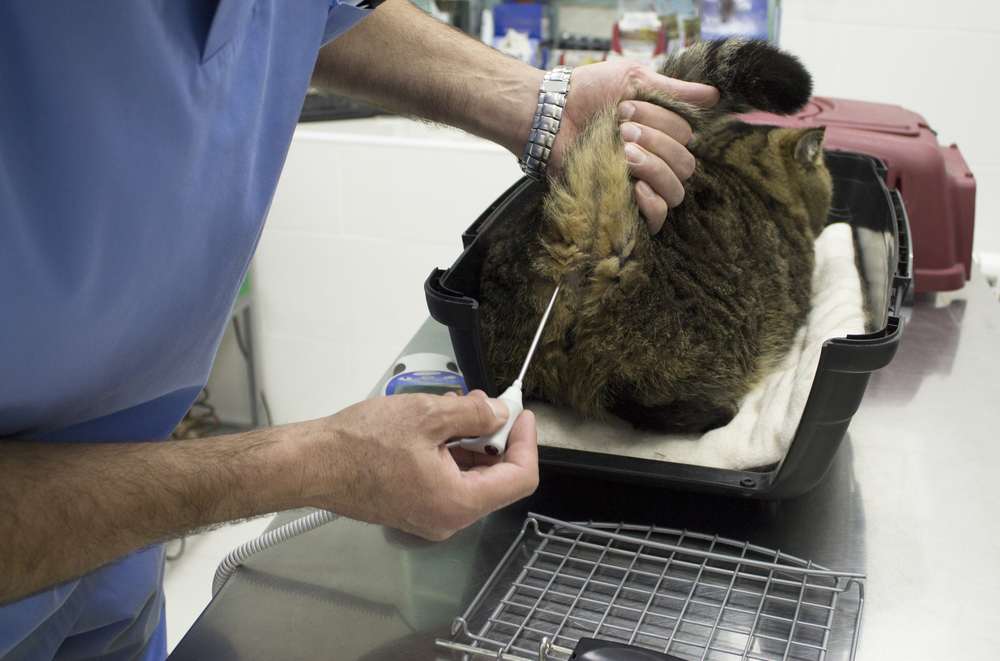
pixel 626 110
pixel 634 155
pixel 499 409
pixel 630 132
pixel 643 189
pixel 655 225
pixel 697 93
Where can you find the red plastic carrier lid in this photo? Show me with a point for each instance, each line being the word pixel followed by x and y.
pixel 937 187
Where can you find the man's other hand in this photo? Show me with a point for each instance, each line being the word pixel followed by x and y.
pixel 655 138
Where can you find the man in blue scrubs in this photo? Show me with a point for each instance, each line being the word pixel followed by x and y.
pixel 140 145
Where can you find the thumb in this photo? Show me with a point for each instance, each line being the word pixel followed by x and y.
pixel 499 484
pixel 699 94
pixel 472 415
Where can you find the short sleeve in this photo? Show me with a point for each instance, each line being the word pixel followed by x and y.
pixel 343 15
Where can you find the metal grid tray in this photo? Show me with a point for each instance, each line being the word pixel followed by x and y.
pixel 686 594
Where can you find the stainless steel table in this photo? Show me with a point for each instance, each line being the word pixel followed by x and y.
pixel 910 500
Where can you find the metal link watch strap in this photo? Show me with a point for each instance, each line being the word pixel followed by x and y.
pixel 545 124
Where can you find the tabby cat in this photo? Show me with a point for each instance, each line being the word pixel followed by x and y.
pixel 670 331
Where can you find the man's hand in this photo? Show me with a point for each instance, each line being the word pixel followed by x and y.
pixel 390 452
pixel 655 138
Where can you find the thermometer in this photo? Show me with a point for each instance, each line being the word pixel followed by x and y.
pixel 496 443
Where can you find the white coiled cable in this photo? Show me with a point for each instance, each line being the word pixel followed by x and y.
pixel 281 534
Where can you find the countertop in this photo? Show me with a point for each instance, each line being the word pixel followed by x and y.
pixel 909 500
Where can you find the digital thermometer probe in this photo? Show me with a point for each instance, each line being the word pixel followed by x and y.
pixel 496 443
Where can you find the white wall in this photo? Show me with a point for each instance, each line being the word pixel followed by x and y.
pixel 363 212
pixel 939 59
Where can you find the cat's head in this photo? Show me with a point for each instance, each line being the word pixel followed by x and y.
pixel 800 151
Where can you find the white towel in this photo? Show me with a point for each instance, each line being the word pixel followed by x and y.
pixel 761 431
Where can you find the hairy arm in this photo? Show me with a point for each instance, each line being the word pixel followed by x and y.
pixel 401 59
pixel 68 508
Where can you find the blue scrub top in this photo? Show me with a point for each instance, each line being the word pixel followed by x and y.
pixel 140 145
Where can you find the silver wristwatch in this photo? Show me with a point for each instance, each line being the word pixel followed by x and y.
pixel 545 125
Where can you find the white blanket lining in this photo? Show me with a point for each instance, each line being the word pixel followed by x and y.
pixel 763 428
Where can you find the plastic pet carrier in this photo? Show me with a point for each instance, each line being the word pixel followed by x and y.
pixel 935 182
pixel 881 236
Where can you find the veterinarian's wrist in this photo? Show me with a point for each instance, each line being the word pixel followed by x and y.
pixel 545 122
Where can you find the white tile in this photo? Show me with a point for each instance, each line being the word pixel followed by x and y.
pixel 429 192
pixel 382 127
pixel 942 76
pixel 970 15
pixel 390 178
pixel 308 196
pixel 332 313
pixel 323 286
pixel 306 379
pixel 913 54
pixel 187 581
pixel 987 236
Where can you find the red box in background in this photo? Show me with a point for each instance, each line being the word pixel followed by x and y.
pixel 937 186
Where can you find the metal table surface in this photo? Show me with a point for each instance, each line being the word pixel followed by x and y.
pixel 910 500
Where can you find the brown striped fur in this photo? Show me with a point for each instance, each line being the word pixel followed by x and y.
pixel 667 331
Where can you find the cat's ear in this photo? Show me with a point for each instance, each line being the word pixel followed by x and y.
pixel 809 148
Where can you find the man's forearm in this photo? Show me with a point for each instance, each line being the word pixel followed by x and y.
pixel 67 508
pixel 405 61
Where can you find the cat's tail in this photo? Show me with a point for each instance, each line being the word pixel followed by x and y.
pixel 591 235
pixel 593 243
pixel 749 74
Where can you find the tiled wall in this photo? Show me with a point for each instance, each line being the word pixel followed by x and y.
pixel 940 59
pixel 365 209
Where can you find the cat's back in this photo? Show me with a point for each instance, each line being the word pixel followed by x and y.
pixel 731 270
pixel 743 237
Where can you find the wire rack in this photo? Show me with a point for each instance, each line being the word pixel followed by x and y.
pixel 685 594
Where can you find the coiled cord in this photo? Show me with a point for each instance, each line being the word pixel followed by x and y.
pixel 281 534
